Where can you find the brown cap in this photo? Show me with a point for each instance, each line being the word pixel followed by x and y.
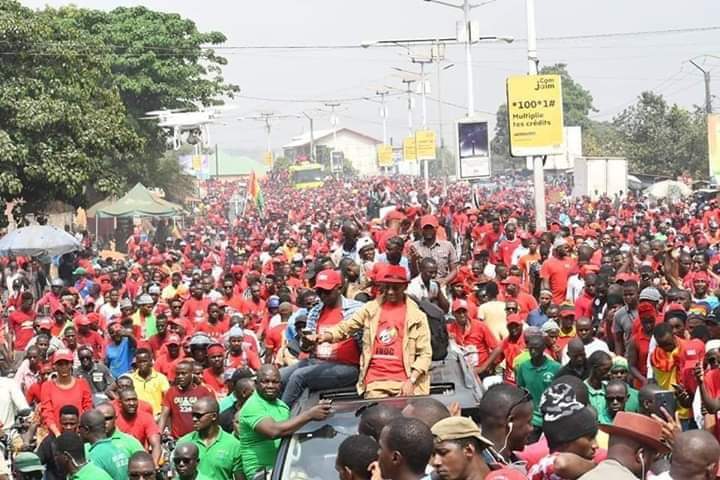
pixel 454 428
pixel 644 430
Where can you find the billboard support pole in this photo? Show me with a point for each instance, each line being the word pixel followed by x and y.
pixel 537 163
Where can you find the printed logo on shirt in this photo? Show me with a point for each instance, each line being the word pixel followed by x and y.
pixel 387 335
pixel 185 403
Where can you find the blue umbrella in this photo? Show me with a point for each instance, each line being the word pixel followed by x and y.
pixel 38 240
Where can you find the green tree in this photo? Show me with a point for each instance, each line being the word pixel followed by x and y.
pixel 158 60
pixel 663 139
pixel 62 121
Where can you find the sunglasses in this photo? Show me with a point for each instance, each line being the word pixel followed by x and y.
pixel 201 414
pixel 615 399
pixel 511 309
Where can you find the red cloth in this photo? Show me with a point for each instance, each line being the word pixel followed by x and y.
pixel 142 426
pixel 180 403
pixel 583 306
pixel 274 336
pixel 249 356
pixel 691 355
pixel 510 351
pixel 53 398
pixel 346 351
pixel 386 362
pixel 215 330
pixel 166 365
pixel 195 310
pixel 21 324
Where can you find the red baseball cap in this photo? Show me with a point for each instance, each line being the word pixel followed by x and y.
pixel 513 318
pixel 45 323
pixel 82 320
pixel 61 355
pixel 173 339
pixel 507 473
pixel 511 280
pixel 391 274
pixel 428 221
pixel 459 304
pixel 328 279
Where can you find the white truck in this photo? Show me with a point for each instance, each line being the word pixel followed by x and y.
pixel 597 176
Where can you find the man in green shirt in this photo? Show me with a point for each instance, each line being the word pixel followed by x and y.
pixel 121 440
pixel 219 451
pixel 185 459
pixel 600 365
pixel 536 375
pixel 70 456
pixel 102 452
pixel 264 419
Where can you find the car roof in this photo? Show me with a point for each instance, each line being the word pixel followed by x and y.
pixel 451 381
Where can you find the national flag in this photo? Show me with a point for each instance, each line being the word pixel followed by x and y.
pixel 254 191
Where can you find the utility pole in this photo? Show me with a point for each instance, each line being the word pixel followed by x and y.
pixel 423 96
pixel 312 137
pixel 708 100
pixel 708 96
pixel 537 162
pixel 383 112
pixel 409 82
pixel 333 122
pixel 267 118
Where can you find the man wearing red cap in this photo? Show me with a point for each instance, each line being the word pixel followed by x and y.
pixel 473 337
pixel 330 365
pixel 441 251
pixel 525 301
pixel 396 353
pixel 508 244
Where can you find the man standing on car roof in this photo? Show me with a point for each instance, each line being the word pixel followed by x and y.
pixel 396 353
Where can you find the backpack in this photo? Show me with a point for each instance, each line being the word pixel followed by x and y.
pixel 439 338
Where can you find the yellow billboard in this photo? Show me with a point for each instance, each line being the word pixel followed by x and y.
pixel 385 155
pixel 425 144
pixel 409 150
pixel 535 115
pixel 713 121
pixel 268 159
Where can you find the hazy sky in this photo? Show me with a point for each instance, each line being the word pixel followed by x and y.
pixel 614 68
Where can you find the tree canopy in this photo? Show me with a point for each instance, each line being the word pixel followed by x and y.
pixel 73 86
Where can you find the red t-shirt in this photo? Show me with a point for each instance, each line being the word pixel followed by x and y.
pixel 195 310
pixel 22 327
pixel 506 248
pixel 166 365
pixel 53 398
pixel 254 311
pixel 94 341
pixel 216 330
pixel 180 403
pixel 386 362
pixel 475 334
pixel 274 336
pixel 343 352
pixel 142 426
pixel 215 382
pixel 583 306
pixel 556 271
pixel 249 357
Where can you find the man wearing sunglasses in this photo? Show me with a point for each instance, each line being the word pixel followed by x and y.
pixel 185 460
pixel 219 451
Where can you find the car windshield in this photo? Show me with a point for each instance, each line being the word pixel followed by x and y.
pixel 311 455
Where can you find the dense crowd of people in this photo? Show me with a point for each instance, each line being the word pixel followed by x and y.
pixel 596 340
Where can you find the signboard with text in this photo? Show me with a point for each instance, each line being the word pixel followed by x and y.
pixel 385 155
pixel 425 144
pixel 713 123
pixel 535 115
pixel 409 150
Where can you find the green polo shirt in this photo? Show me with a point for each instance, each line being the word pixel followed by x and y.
pixel 125 442
pixel 536 380
pixel 110 458
pixel 91 472
pixel 260 451
pixel 226 402
pixel 633 402
pixel 221 459
pixel 598 402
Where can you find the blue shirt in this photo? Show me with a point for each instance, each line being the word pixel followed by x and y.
pixel 536 318
pixel 118 358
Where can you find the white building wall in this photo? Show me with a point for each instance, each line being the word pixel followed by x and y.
pixel 361 151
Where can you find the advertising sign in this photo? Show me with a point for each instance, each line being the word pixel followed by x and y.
pixel 385 155
pixel 409 150
pixel 425 144
pixel 473 149
pixel 535 115
pixel 713 121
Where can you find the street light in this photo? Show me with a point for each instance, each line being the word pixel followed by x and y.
pixel 466 7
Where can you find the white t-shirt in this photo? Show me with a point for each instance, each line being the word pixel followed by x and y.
pixel 596 345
